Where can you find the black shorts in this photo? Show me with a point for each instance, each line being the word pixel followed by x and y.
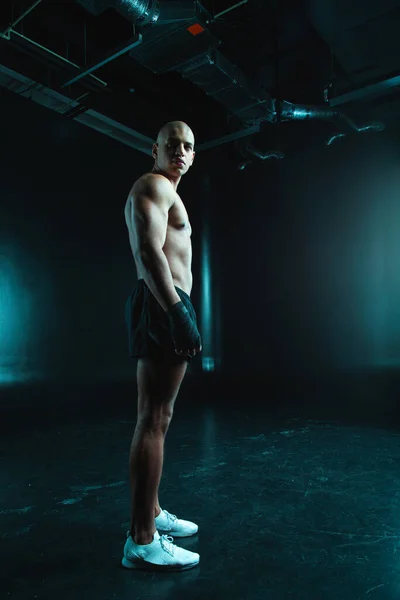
pixel 148 325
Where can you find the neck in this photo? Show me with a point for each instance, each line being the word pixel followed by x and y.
pixel 174 180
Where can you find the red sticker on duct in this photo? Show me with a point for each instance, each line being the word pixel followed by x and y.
pixel 196 29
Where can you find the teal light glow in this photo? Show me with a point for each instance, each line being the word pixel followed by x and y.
pixel 208 362
pixel 11 306
pixel 355 268
pixel 22 313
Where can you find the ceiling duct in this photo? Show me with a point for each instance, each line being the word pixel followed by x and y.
pixel 182 42
pixel 144 13
pixel 173 45
pixel 189 48
pixel 141 12
pixel 227 84
pixel 277 111
pixel 296 112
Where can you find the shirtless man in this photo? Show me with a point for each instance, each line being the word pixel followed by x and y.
pixel 163 336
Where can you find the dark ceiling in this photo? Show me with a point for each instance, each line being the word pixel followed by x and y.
pixel 308 52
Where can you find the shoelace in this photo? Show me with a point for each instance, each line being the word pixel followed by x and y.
pixel 166 542
pixel 170 517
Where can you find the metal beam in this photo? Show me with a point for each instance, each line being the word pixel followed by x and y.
pixel 6 32
pixel 26 87
pixel 375 89
pixel 224 12
pixel 136 41
pixel 48 51
pixel 229 138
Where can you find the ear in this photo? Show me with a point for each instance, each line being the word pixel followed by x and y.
pixel 194 154
pixel 155 150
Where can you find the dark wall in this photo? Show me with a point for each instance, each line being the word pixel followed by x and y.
pixel 308 250
pixel 65 262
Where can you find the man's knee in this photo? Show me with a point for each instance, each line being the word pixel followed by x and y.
pixel 153 424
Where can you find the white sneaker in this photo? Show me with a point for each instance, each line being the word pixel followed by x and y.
pixel 160 555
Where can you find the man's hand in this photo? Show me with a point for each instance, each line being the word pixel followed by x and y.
pixel 184 331
pixel 189 352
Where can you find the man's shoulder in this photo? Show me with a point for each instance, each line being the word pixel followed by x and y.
pixel 155 186
pixel 152 182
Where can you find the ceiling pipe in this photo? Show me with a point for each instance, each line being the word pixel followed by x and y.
pixel 137 39
pixel 374 126
pixel 153 12
pixel 146 13
pixel 264 155
pixel 22 85
pixel 227 10
pixel 6 32
pixel 335 137
pixel 142 13
pixel 296 112
pixel 45 96
pixel 243 165
pixel 276 110
pixel 248 151
pixel 375 89
pixel 93 79
pixel 299 112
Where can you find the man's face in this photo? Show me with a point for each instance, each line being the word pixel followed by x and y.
pixel 174 153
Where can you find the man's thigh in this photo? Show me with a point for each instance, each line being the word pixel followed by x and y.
pixel 158 384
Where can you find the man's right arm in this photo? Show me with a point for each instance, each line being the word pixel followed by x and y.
pixel 151 200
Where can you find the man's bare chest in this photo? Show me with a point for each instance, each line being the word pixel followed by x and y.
pixel 178 218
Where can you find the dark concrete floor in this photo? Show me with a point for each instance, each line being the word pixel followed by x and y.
pixel 287 507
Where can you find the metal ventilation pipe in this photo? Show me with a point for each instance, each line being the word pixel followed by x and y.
pixel 145 13
pixel 374 126
pixel 335 137
pixel 249 150
pixel 286 111
pixel 294 112
pixel 299 112
pixel 141 12
pixel 264 155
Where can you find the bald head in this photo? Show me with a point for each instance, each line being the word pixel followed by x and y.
pixel 173 151
pixel 173 128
